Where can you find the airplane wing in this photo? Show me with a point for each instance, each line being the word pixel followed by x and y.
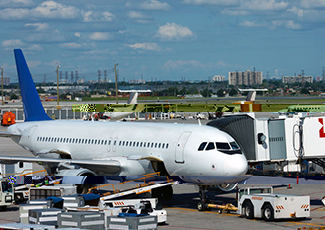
pixel 113 166
pixel 7 134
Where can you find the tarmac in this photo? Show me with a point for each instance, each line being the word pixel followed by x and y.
pixel 182 208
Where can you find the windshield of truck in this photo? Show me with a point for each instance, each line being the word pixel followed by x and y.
pixel 6 187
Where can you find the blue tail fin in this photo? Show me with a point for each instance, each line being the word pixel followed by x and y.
pixel 33 107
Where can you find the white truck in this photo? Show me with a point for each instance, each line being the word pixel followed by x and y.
pixel 261 202
pixel 6 194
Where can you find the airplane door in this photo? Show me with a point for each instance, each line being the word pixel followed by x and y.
pixel 109 144
pixel 114 144
pixel 179 151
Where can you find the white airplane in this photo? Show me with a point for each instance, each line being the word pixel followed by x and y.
pixel 198 154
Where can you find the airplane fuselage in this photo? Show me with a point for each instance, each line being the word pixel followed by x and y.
pixel 137 146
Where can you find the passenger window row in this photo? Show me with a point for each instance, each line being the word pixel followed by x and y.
pixel 143 144
pixel 103 142
pixel 72 140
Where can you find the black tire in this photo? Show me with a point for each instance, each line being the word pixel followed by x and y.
pixel 201 206
pixel 248 210
pixel 268 213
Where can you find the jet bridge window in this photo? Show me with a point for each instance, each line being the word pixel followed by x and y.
pixel 202 146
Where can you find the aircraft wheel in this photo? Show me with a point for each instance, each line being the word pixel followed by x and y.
pixel 201 206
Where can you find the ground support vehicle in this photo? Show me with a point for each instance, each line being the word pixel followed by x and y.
pixel 6 194
pixel 261 202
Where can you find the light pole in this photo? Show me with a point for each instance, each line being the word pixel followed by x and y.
pixel 116 82
pixel 3 102
pixel 57 84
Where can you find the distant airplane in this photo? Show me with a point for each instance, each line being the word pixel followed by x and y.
pixel 133 100
pixel 198 154
pixel 251 96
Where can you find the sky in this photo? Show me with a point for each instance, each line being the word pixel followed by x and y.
pixel 163 39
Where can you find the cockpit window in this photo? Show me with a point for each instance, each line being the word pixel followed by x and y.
pixel 210 146
pixel 222 145
pixel 234 145
pixel 202 146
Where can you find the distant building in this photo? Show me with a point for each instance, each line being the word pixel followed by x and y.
pixel 294 79
pixel 218 78
pixel 245 78
pixel 6 81
pixel 138 81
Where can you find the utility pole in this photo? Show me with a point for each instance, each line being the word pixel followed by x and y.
pixel 3 102
pixel 116 82
pixel 57 85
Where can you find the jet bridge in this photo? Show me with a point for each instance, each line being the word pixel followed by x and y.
pixel 280 143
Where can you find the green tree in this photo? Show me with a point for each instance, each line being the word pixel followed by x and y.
pixel 233 92
pixel 221 93
pixel 206 93
pixel 304 91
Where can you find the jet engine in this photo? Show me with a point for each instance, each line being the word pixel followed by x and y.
pixel 83 178
pixel 224 187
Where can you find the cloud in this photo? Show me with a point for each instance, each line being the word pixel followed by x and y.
pixel 263 5
pixel 312 4
pixel 35 47
pixel 50 36
pixel 252 24
pixel 247 7
pixel 297 11
pixel 33 64
pixel 188 65
pixel 53 63
pixel 173 31
pixel 101 36
pixel 77 46
pixel 212 2
pixel 51 10
pixel 46 10
pixel 12 43
pixel 138 17
pixel 91 16
pixel 145 46
pixel 286 23
pixel 77 34
pixel 15 3
pixel 38 26
pixel 154 5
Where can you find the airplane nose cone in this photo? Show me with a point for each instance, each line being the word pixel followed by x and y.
pixel 235 166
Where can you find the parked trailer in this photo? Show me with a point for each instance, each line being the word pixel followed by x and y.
pixel 261 202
